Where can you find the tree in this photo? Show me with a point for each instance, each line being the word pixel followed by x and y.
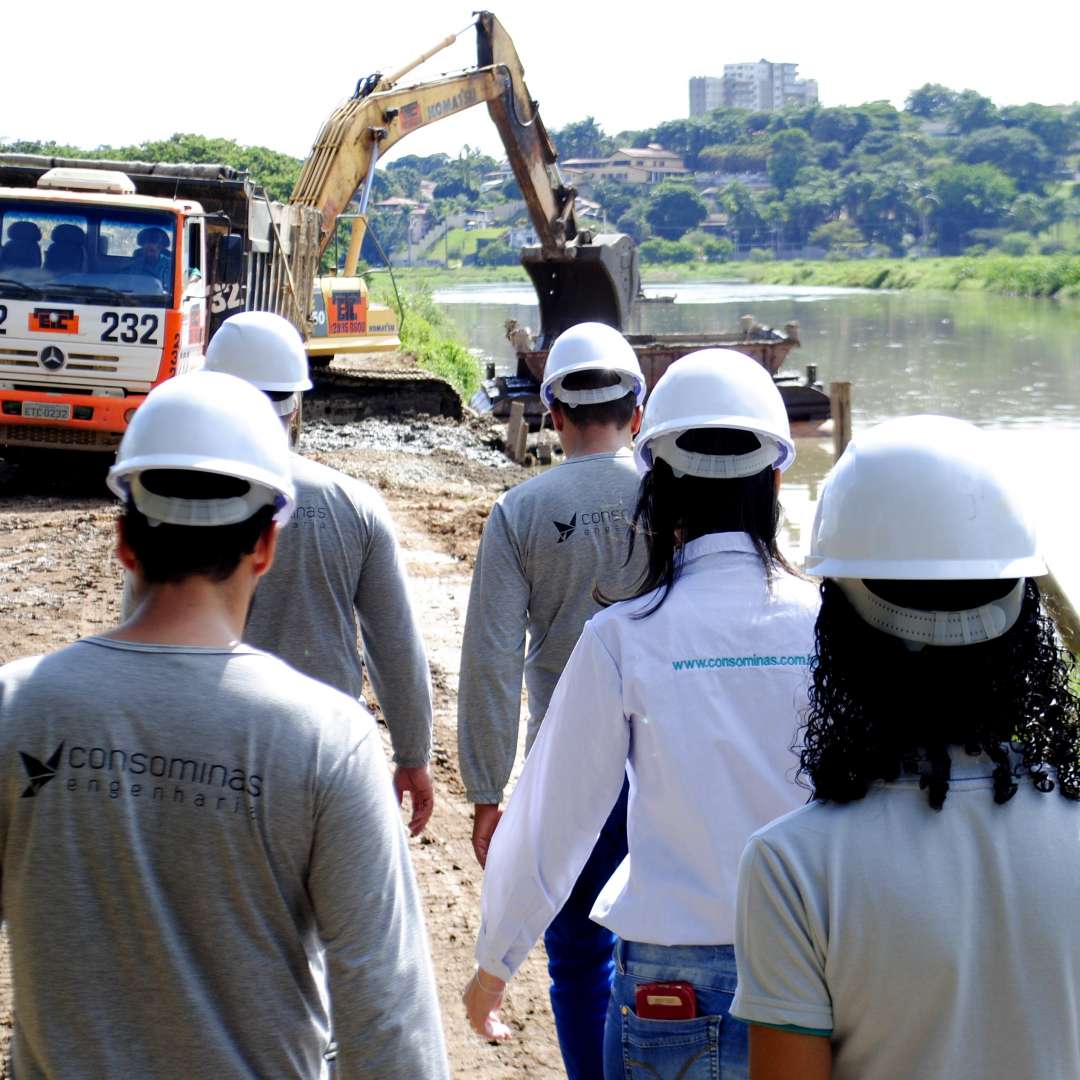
pixel 789 151
pixel 633 223
pixel 931 101
pixel 496 252
pixel 741 157
pixel 450 186
pixel 674 208
pixel 969 197
pixel 1056 129
pixel 845 126
pixel 582 139
pixel 614 196
pixel 809 202
pixel 883 203
pixel 425 166
pixel 836 234
pixel 1026 213
pixel 1016 152
pixel 744 216
pixel 971 111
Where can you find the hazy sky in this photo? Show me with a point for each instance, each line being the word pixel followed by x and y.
pixel 263 74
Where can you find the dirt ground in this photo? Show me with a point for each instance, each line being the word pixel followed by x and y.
pixel 58 581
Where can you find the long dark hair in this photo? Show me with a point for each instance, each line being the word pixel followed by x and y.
pixel 673 510
pixel 878 709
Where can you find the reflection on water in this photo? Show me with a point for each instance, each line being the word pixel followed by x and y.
pixel 1009 365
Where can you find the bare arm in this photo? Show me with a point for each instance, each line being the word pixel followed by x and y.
pixel 788 1055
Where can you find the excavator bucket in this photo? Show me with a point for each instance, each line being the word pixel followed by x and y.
pixel 593 281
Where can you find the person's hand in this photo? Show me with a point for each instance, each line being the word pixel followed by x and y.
pixel 417 782
pixel 482 997
pixel 485 818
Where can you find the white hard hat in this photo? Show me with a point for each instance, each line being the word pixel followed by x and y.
pixel 206 422
pixel 265 350
pixel 923 498
pixel 591 346
pixel 715 388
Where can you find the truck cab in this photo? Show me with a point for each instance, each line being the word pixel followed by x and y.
pixel 103 294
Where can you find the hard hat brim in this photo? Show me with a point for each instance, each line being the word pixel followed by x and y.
pixel 691 423
pixel 927 569
pixel 196 463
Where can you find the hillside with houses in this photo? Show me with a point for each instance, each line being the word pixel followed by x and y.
pixel 949 173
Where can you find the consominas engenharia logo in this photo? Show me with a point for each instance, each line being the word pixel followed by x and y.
pixel 40 774
pixel 566 528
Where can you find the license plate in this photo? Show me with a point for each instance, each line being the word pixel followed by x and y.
pixel 46 410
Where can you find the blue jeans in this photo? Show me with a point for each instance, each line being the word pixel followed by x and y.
pixel 712 1046
pixel 580 956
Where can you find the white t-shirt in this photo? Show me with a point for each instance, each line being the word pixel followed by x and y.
pixel 933 945
pixel 699 702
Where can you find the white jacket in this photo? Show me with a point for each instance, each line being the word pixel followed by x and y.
pixel 700 703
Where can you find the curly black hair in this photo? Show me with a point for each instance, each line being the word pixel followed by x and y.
pixel 878 709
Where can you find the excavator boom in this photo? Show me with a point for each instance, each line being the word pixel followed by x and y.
pixel 577 277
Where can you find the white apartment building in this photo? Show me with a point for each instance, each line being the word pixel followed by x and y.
pixel 759 87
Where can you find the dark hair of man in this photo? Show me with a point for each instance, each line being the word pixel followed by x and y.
pixel 673 510
pixel 618 412
pixel 169 554
pixel 879 709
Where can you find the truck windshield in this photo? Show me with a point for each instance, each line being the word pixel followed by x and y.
pixel 80 252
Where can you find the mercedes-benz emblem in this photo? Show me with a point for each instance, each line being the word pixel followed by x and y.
pixel 52 358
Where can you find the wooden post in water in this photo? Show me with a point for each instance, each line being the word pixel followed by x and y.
pixel 840 410
pixel 517 432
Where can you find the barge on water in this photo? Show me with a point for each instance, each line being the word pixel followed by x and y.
pixel 804 397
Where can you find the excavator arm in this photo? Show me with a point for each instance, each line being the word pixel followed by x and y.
pixel 577 277
pixel 361 130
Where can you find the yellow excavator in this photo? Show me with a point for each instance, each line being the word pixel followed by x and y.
pixel 577 276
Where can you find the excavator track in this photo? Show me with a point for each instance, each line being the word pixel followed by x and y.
pixel 353 388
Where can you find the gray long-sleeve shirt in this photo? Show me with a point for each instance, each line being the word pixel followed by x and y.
pixel 547 542
pixel 183 830
pixel 338 560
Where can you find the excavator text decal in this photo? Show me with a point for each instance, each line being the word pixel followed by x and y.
pixel 451 104
pixel 410 116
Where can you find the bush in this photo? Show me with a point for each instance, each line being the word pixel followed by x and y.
pixel 1016 243
pixel 717 249
pixel 761 255
pixel 427 334
pixel 667 251
pixel 495 253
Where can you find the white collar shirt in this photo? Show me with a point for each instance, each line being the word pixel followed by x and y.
pixel 699 703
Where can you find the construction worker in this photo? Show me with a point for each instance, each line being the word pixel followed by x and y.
pixel 338 564
pixel 546 545
pixel 918 917
pixel 693 685
pixel 188 824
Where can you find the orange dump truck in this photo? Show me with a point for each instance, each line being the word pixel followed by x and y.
pixel 114 276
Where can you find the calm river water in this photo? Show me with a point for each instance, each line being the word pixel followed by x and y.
pixel 1012 366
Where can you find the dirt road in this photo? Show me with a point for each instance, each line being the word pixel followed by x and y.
pixel 58 581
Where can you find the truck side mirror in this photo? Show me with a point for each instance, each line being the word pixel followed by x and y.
pixel 230 258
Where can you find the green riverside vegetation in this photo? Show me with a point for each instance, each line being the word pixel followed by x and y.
pixel 426 333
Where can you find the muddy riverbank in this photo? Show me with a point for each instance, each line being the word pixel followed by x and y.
pixel 58 581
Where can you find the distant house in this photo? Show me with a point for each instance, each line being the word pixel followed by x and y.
pixel 396 202
pixel 519 236
pixel 630 164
